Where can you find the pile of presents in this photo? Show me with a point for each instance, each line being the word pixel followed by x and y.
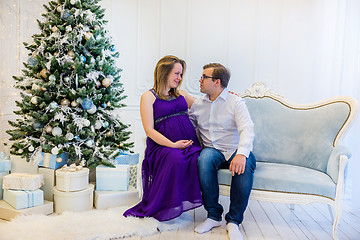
pixel 53 186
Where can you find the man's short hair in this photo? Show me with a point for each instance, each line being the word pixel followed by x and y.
pixel 219 72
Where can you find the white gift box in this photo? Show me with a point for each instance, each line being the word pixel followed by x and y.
pixel 74 201
pixel 112 179
pixel 23 181
pixel 2 174
pixel 109 199
pixel 49 182
pixel 69 181
pixel 20 199
pixel 19 164
pixel 8 212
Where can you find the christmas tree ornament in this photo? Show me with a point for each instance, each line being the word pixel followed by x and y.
pixel 98 124
pixel 42 88
pixel 67 79
pixel 53 105
pixel 92 60
pixel 33 62
pixel 58 159
pixel 34 100
pixel 97 84
pixel 74 104
pixel 90 143
pixel 87 104
pixel 48 129
pixel 105 124
pixel 73 2
pixel 69 136
pixel 77 138
pixel 108 104
pixel 82 58
pixel 52 78
pixel 92 128
pixel 54 29
pixel 113 49
pixel 82 81
pixel 71 54
pixel 109 133
pixel 43 73
pixel 65 15
pixel 104 105
pixel 55 151
pixel 37 126
pixel 86 123
pixel 88 35
pixel 20 151
pixel 31 148
pixel 106 82
pixel 56 131
pixel 35 87
pixel 65 102
pixel 59 9
pixel 92 110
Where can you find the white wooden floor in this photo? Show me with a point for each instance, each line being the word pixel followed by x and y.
pixel 273 221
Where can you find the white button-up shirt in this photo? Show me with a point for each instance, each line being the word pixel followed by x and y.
pixel 224 124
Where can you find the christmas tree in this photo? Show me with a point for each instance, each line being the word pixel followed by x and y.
pixel 70 88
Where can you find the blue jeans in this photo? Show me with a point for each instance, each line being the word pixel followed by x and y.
pixel 209 162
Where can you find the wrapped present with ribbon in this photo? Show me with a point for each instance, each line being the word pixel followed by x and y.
pixel 21 199
pixel 72 178
pixel 23 181
pixel 126 158
pixel 112 179
pixel 53 161
pixel 2 174
pixel 5 163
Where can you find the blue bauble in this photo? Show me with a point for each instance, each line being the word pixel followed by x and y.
pixel 87 104
pixel 77 138
pixel 37 126
pixel 104 105
pixel 113 49
pixel 32 61
pixel 65 14
pixel 52 78
pixel 90 143
pixel 105 124
pixel 53 105
pixel 82 58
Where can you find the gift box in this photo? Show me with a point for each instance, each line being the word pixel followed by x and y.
pixel 74 201
pixel 49 182
pixel 127 158
pixel 8 212
pixel 20 165
pixel 69 180
pixel 109 199
pixel 112 179
pixel 2 174
pixel 20 199
pixel 23 181
pixel 53 161
pixel 5 165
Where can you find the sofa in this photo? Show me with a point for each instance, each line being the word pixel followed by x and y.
pixel 299 156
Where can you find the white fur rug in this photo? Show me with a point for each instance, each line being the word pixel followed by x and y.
pixel 90 225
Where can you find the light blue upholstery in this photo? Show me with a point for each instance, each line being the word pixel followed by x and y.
pixel 294 136
pixel 287 178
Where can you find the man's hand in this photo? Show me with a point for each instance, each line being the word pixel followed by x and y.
pixel 237 165
pixel 182 144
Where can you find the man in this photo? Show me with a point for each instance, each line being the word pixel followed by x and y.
pixel 226 130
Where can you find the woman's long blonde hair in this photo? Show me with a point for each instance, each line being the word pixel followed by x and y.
pixel 161 73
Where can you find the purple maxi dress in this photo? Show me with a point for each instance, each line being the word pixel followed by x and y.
pixel 170 176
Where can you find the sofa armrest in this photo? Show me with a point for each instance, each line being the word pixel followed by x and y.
pixel 334 161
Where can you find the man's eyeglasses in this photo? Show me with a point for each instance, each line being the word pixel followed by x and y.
pixel 203 77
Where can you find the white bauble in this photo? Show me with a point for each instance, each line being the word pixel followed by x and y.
pixel 69 136
pixel 56 131
pixel 55 151
pixel 35 87
pixel 86 123
pixel 20 151
pixel 98 124
pixel 31 148
pixel 74 104
pixel 34 100
pixel 92 110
